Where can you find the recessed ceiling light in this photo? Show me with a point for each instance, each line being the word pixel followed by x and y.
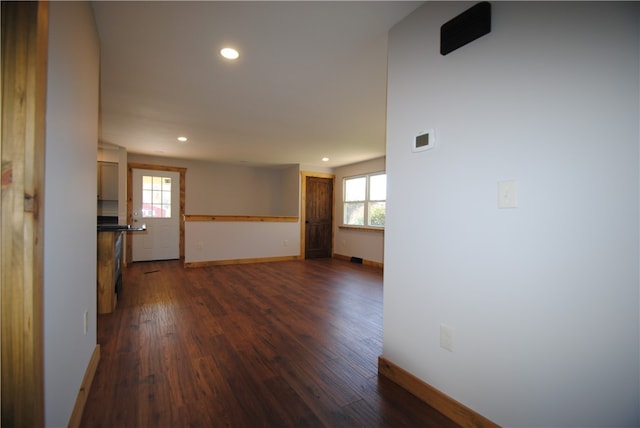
pixel 182 139
pixel 325 159
pixel 229 53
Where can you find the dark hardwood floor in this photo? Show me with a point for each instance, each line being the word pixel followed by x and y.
pixel 287 344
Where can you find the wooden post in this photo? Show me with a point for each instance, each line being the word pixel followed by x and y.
pixel 23 93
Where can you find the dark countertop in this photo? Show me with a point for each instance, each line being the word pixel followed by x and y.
pixel 120 228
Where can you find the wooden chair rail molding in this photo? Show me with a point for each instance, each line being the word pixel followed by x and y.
pixel 277 219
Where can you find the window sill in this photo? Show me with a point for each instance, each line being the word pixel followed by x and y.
pixel 362 228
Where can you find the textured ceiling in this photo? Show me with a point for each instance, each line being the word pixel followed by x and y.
pixel 310 81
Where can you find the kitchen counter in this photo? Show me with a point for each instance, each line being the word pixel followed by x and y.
pixel 120 228
pixel 110 258
pixel 110 263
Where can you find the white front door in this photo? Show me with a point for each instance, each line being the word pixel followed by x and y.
pixel 156 204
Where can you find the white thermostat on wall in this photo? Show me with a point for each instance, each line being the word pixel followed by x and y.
pixel 424 141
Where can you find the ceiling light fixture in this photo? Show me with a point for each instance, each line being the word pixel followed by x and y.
pixel 229 53
pixel 182 139
pixel 325 159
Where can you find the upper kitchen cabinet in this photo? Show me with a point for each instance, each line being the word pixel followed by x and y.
pixel 107 181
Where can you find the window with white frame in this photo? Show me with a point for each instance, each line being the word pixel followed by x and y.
pixel 156 196
pixel 364 200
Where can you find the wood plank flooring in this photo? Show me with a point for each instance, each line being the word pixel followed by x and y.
pixel 286 344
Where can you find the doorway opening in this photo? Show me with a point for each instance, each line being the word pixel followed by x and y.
pixel 181 202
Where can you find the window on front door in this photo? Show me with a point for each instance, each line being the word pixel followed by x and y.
pixel 156 196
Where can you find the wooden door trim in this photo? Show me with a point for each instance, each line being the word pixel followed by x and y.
pixel 23 89
pixel 303 207
pixel 183 186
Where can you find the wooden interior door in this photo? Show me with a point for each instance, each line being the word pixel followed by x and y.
pixel 318 217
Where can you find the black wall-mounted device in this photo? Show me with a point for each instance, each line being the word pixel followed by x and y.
pixel 470 25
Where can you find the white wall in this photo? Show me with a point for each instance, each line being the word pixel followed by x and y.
pixel 289 201
pixel 224 240
pixel 367 245
pixel 225 189
pixel 543 298
pixel 70 205
pixel 216 241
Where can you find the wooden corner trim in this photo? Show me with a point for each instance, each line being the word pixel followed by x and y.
pixel 87 380
pixel 454 410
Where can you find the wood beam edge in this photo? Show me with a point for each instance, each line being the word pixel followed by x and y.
pixel 365 262
pixel 85 387
pixel 239 261
pixel 454 410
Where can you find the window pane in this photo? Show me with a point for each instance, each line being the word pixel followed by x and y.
pixel 355 189
pixel 157 183
pixel 377 213
pixel 166 197
pixel 354 213
pixel 156 196
pixel 378 187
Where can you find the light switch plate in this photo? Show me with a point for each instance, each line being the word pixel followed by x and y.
pixel 508 194
pixel 446 337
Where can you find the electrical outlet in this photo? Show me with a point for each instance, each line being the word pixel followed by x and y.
pixel 508 194
pixel 86 322
pixel 446 337
pixel 285 243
